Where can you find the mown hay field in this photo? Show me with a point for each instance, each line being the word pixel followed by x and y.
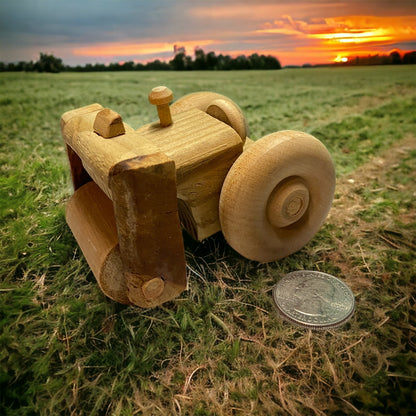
pixel 220 348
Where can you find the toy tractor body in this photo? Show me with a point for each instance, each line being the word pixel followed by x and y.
pixel 195 169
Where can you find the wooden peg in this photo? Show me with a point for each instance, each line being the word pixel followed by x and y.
pixel 153 288
pixel 108 124
pixel 161 97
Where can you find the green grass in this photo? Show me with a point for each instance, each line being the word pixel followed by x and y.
pixel 220 348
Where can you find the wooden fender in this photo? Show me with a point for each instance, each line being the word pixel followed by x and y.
pixel 217 106
pixel 277 195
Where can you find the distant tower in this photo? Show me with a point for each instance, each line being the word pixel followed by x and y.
pixel 179 49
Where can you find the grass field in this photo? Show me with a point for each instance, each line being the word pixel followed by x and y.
pixel 219 349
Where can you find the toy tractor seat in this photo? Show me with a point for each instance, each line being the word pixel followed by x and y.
pixel 194 168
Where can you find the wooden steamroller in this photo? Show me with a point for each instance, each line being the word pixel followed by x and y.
pixel 195 169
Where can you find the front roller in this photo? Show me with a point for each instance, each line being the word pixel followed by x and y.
pixel 133 243
pixel 277 195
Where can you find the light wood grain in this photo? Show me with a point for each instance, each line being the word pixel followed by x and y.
pixel 78 173
pixel 195 167
pixel 99 155
pixel 73 123
pixel 203 150
pixel 277 195
pixel 216 105
pixel 90 216
pixel 161 97
pixel 108 124
pixel 148 228
pixel 200 100
pixel 141 175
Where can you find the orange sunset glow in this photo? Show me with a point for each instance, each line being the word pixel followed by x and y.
pixel 346 36
pixel 127 48
pixel 295 32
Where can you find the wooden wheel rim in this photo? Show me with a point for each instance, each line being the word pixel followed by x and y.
pixel 285 172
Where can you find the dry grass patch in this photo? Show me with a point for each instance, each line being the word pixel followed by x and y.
pixel 220 348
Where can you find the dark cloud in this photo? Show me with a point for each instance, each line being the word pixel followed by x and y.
pixel 30 26
pixel 84 21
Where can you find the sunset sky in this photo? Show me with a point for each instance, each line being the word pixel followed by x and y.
pixel 295 31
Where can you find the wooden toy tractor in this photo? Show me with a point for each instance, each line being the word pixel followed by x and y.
pixel 195 169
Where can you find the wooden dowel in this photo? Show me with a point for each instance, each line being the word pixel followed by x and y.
pixel 161 97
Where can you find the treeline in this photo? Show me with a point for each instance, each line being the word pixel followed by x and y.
pixel 202 61
pixel 181 62
pixel 393 59
pixel 210 61
pixel 46 63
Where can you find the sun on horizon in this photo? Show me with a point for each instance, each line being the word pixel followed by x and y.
pixel 341 59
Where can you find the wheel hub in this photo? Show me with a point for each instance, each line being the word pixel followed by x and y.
pixel 288 203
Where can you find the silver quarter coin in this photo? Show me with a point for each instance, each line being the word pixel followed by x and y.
pixel 313 299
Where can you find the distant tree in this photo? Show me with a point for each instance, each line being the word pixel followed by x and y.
pixel 139 67
pixel 385 60
pixel 99 67
pixel 49 63
pixel 189 65
pixel 395 58
pixel 270 62
pixel 409 58
pixel 211 61
pixel 241 62
pixel 224 62
pixel 20 66
pixel 200 61
pixel 256 61
pixel 158 66
pixel 128 66
pixel 178 63
pixel 29 66
pixel 114 66
pixel 77 68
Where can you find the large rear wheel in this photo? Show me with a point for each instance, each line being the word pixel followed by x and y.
pixel 277 195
